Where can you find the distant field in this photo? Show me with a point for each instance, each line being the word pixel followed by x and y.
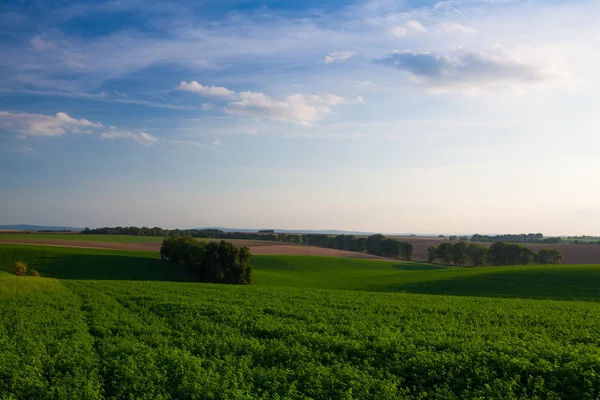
pixel 149 243
pixel 563 282
pixel 79 237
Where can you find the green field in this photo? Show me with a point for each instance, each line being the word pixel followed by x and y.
pixel 87 238
pixel 107 325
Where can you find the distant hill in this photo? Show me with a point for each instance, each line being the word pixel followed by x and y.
pixel 25 227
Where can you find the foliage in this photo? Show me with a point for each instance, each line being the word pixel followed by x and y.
pixel 478 254
pixel 549 256
pixel 503 253
pixel 444 253
pixel 379 245
pixel 499 253
pixel 521 238
pixel 32 272
pixel 432 254
pixel 122 339
pixel 210 262
pixel 20 268
pixel 460 253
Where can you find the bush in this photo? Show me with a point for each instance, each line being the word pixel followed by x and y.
pixel 210 262
pixel 32 272
pixel 20 268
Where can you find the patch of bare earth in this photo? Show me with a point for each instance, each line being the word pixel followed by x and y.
pixel 256 247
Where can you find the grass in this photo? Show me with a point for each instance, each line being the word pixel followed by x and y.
pixel 87 238
pixel 74 339
pixel 78 263
pixel 561 282
pixel 112 328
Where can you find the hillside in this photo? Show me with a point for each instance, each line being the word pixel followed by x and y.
pixel 566 282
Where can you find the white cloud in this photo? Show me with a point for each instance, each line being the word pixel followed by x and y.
pixel 43 125
pixel 409 28
pixel 216 143
pixel 457 28
pixel 140 137
pixel 298 108
pixel 195 87
pixel 40 44
pixel 26 150
pixel 339 56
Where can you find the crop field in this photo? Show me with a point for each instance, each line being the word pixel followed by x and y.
pixel 103 324
pixel 149 243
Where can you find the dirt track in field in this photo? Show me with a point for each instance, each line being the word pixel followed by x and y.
pixel 574 253
pixel 256 247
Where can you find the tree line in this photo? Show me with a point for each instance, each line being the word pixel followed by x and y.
pixel 377 245
pixel 499 253
pixel 209 262
pixel 520 238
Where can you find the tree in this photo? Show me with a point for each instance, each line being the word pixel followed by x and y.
pixel 503 253
pixel 459 253
pixel 549 256
pixel 374 244
pixel 407 251
pixel 477 254
pixel 210 262
pixel 20 268
pixel 432 254
pixel 445 253
pixel 452 238
pixel 390 248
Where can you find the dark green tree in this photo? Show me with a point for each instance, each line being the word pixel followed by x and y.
pixel 445 253
pixel 460 253
pixel 432 254
pixel 549 256
pixel 477 254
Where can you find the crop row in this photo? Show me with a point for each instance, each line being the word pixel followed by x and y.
pixel 195 341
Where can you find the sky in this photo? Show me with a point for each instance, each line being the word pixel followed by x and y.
pixel 420 116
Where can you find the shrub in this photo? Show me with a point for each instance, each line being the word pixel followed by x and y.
pixel 32 272
pixel 20 268
pixel 210 262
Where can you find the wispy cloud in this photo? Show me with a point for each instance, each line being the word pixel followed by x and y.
pixel 301 109
pixel 44 125
pixel 196 87
pixel 411 27
pixel 339 56
pixel 480 69
pixel 140 137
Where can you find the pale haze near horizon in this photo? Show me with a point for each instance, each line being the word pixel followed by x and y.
pixel 379 116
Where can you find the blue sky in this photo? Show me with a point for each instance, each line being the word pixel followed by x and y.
pixel 392 116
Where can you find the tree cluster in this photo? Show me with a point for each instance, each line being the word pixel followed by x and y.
pixel 127 230
pixel 210 262
pixel 499 253
pixel 520 238
pixel 379 245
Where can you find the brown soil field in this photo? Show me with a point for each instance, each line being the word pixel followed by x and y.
pixel 256 247
pixel 574 253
